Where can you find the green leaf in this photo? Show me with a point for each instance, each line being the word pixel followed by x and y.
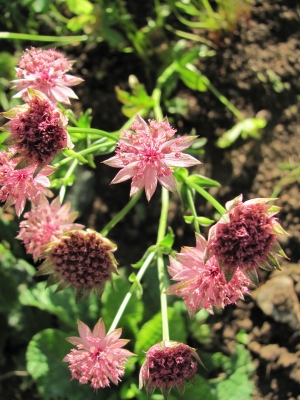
pixel 44 363
pixel 202 181
pixel 138 287
pixel 245 128
pixel 61 304
pixel 203 221
pixel 167 242
pixel 192 78
pixel 80 6
pixel 77 23
pixel 199 390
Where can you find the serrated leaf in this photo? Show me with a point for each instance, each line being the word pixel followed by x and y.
pixel 192 79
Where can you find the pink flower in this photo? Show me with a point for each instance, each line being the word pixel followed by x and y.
pixel 202 284
pixel 45 70
pixel 168 364
pixel 45 223
pixel 99 358
pixel 37 129
pixel 17 185
pixel 246 238
pixel 146 154
pixel 81 259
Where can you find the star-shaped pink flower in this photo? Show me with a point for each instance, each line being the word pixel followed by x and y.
pixel 17 185
pixel 145 153
pixel 99 358
pixel 45 70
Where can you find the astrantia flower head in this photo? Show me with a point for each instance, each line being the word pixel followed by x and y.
pixel 45 70
pixel 17 185
pixel 44 224
pixel 202 284
pixel 81 259
pixel 100 358
pixel 168 364
pixel 145 153
pixel 37 129
pixel 246 238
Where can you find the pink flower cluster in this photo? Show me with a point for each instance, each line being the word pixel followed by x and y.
pixel 37 129
pixel 218 272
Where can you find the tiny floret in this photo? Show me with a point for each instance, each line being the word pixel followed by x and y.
pixel 246 238
pixel 45 70
pixel 18 185
pixel 44 224
pixel 168 364
pixel 99 358
pixel 37 130
pixel 81 259
pixel 145 153
pixel 201 283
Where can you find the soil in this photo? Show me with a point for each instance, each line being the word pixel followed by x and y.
pixel 257 68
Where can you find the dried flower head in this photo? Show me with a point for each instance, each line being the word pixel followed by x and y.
pixel 146 153
pixel 45 70
pixel 246 238
pixel 81 259
pixel 37 130
pixel 99 358
pixel 17 185
pixel 45 223
pixel 168 364
pixel 202 284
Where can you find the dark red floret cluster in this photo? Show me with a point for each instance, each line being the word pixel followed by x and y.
pixel 171 366
pixel 38 133
pixel 83 260
pixel 246 240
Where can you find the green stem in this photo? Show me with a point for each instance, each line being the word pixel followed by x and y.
pixel 99 132
pixel 193 209
pixel 63 189
pixel 208 197
pixel 89 150
pixel 41 38
pixel 118 217
pixel 139 276
pixel 224 100
pixel 160 263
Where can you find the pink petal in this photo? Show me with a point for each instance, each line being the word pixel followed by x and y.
pixel 115 162
pixel 168 182
pixel 150 182
pixel 126 173
pixel 99 330
pixel 84 331
pixel 137 185
pixel 180 160
pixel 179 144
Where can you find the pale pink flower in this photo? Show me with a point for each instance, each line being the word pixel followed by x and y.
pixel 37 129
pixel 45 223
pixel 202 284
pixel 81 259
pixel 18 185
pixel 246 238
pixel 45 70
pixel 146 153
pixel 168 364
pixel 99 358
